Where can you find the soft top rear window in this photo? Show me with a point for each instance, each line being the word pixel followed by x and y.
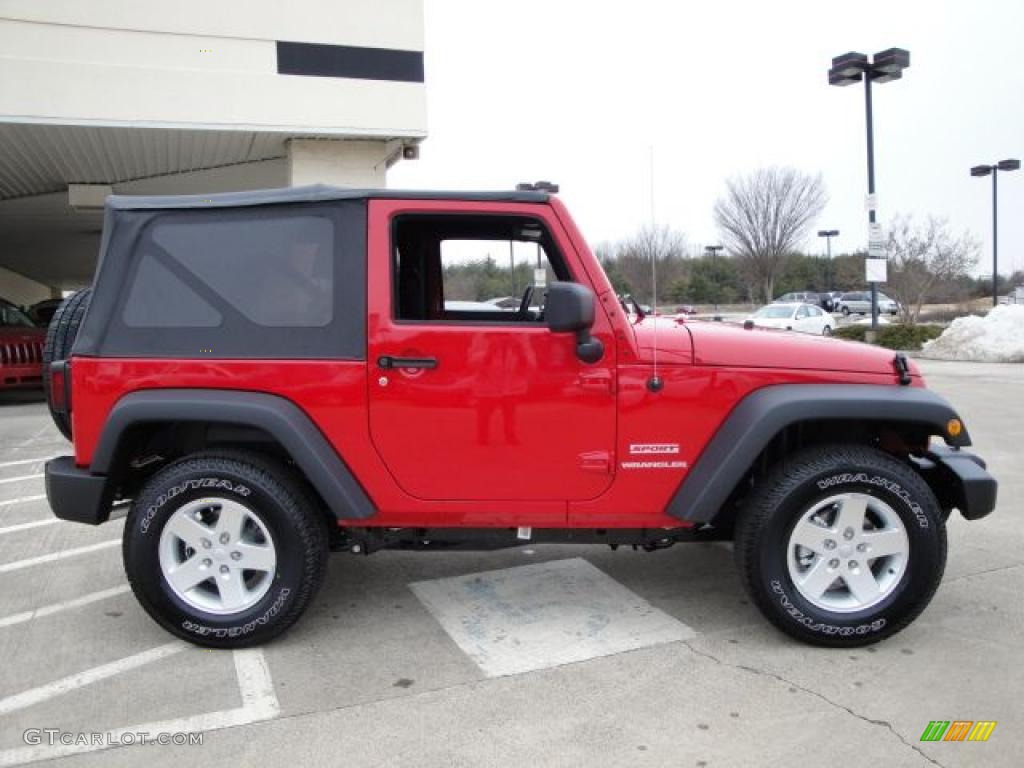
pixel 286 281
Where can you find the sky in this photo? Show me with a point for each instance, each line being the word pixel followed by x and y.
pixel 584 93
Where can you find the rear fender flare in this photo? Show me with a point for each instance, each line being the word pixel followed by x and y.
pixel 278 417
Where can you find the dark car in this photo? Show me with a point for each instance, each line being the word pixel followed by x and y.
pixel 830 299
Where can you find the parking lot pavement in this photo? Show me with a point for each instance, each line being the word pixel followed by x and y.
pixel 390 668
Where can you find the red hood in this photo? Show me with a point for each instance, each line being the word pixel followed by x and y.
pixel 719 344
pixel 8 333
pixel 674 343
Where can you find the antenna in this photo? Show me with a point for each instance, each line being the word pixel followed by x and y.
pixel 654 384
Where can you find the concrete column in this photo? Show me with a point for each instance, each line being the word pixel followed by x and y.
pixel 340 162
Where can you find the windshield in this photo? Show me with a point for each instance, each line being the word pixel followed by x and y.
pixel 12 317
pixel 774 312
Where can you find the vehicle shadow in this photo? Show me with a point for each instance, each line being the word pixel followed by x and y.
pixel 21 397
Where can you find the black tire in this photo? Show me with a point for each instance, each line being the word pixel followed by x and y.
pixel 282 504
pixel 846 311
pixel 60 336
pixel 812 476
pixel 826 331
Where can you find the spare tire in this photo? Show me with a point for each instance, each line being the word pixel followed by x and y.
pixel 60 337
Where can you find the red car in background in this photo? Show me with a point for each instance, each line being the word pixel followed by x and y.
pixel 21 349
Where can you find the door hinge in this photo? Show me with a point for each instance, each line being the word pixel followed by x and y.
pixel 596 461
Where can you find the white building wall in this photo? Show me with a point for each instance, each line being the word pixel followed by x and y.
pixel 195 63
pixel 342 163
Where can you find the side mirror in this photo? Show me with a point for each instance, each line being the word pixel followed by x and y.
pixel 570 309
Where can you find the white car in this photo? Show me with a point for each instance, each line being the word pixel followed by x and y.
pixel 794 316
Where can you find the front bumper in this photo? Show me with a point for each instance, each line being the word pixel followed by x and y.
pixel 960 480
pixel 21 376
pixel 75 494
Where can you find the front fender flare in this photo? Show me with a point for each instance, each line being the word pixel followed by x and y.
pixel 761 415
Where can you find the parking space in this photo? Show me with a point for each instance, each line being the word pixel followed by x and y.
pixel 547 654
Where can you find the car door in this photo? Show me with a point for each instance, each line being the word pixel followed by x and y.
pixel 473 404
pixel 802 318
pixel 816 320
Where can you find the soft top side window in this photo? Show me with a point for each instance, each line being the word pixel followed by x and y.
pixel 472 268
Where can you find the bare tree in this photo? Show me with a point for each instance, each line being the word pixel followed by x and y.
pixel 635 254
pixel 922 255
pixel 766 215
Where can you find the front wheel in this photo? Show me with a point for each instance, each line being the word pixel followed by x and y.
pixel 826 331
pixel 842 545
pixel 224 550
pixel 846 311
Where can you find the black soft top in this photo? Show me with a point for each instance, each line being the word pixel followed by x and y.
pixel 308 194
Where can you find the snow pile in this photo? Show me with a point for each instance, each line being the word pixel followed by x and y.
pixel 998 337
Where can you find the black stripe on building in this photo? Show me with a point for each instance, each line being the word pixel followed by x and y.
pixel 318 60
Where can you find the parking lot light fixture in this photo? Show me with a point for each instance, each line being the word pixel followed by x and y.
pixel 884 67
pixel 1010 164
pixel 713 250
pixel 828 234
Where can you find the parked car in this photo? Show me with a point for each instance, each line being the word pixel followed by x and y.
pixel 830 299
pixel 795 316
pixel 806 297
pixel 859 303
pixel 21 349
pixel 686 309
pixel 298 389
pixel 505 302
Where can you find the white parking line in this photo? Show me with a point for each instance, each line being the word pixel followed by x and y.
pixel 17 565
pixel 255 685
pixel 23 500
pixel 20 478
pixel 259 702
pixel 27 526
pixel 48 610
pixel 72 682
pixel 23 461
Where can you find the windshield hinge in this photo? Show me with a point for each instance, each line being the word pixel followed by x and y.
pixel 902 368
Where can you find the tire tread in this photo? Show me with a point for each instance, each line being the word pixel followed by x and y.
pixel 784 479
pixel 286 489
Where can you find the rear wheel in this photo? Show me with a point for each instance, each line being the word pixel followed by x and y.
pixel 826 331
pixel 842 545
pixel 60 336
pixel 225 550
pixel 846 311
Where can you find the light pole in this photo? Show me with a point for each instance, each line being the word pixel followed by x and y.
pixel 828 234
pixel 851 68
pixel 713 250
pixel 985 170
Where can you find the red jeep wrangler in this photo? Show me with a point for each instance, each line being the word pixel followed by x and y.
pixel 266 376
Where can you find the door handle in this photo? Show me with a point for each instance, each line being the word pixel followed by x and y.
pixel 387 362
